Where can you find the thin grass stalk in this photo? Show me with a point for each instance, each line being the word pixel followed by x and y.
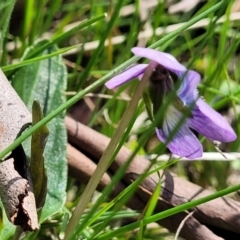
pixel 105 159
pixel 101 43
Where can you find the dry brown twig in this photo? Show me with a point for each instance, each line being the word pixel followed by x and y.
pixel 16 189
pixel 222 214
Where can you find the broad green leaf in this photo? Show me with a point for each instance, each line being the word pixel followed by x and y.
pixel 37 169
pixel 46 81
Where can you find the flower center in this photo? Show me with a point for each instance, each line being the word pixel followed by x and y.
pixel 163 78
pixel 163 82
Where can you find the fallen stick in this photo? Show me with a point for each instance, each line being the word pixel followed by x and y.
pixel 223 214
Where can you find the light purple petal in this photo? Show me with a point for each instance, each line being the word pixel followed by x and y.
pixel 164 59
pixel 210 123
pixel 126 76
pixel 188 89
pixel 184 143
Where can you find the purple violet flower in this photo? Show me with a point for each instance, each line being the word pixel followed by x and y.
pixel 166 70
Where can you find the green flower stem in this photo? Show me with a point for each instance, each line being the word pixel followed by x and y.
pixel 102 80
pixel 105 159
pixel 167 213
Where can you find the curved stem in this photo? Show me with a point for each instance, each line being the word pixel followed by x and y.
pixel 106 157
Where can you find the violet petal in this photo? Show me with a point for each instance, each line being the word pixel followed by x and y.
pixel 210 123
pixel 126 76
pixel 184 143
pixel 164 59
pixel 188 89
